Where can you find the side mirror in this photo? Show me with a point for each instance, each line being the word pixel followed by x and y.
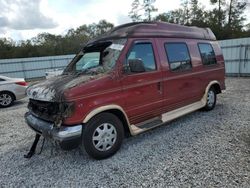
pixel 136 65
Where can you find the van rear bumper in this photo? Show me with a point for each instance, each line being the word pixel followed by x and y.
pixel 68 136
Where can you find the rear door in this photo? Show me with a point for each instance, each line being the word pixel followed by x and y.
pixel 181 82
pixel 143 91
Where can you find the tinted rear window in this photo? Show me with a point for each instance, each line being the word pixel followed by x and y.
pixel 143 51
pixel 207 54
pixel 178 56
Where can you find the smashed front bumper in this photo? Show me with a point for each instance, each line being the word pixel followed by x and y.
pixel 68 136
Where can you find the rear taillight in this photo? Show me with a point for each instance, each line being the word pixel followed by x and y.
pixel 21 83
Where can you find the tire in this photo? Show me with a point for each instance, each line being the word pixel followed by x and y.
pixel 211 99
pixel 6 99
pixel 103 135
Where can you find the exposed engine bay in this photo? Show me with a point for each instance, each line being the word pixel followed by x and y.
pixel 47 98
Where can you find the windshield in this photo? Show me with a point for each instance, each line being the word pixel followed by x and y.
pixel 99 57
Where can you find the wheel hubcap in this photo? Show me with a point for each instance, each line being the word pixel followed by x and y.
pixel 5 99
pixel 210 98
pixel 104 137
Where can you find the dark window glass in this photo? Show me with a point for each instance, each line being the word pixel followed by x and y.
pixel 1 79
pixel 207 54
pixel 144 52
pixel 178 56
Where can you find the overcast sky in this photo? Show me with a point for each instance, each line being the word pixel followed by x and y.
pixel 24 19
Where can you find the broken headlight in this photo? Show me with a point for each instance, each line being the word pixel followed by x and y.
pixel 68 109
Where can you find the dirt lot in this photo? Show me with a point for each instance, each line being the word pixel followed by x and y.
pixel 202 149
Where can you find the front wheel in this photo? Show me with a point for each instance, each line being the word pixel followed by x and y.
pixel 211 99
pixel 6 99
pixel 103 135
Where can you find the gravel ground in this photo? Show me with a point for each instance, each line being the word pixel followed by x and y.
pixel 202 149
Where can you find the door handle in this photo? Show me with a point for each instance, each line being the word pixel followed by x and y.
pixel 159 87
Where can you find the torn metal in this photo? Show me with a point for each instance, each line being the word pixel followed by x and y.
pixel 47 100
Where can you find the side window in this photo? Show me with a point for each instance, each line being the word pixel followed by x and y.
pixel 1 79
pixel 178 56
pixel 207 54
pixel 144 52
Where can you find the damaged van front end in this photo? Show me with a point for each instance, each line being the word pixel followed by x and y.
pixel 48 109
pixel 53 101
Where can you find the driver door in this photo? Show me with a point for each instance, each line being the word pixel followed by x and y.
pixel 143 90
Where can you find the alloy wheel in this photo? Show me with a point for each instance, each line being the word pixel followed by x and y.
pixel 5 99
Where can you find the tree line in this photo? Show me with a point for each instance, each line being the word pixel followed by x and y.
pixel 46 44
pixel 226 19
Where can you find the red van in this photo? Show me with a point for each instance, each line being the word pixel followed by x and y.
pixel 134 78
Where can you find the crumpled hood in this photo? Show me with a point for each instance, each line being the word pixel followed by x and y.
pixel 53 89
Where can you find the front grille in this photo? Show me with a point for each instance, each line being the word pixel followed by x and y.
pixel 43 109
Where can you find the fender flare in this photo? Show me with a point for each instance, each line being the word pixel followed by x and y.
pixel 204 98
pixel 105 108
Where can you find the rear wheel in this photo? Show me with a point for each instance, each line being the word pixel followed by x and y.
pixel 6 99
pixel 211 99
pixel 103 135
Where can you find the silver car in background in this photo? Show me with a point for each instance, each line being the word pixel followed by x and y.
pixel 11 89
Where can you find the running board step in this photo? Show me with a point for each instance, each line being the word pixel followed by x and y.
pixel 181 111
pixel 146 125
pixel 166 117
pixel 149 123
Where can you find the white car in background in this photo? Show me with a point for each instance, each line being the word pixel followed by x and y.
pixel 11 89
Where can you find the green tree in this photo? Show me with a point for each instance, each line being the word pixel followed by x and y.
pixel 102 27
pixel 149 9
pixel 236 18
pixel 197 15
pixel 184 12
pixel 220 13
pixel 177 16
pixel 6 46
pixel 164 17
pixel 46 44
pixel 225 20
pixel 216 18
pixel 145 7
pixel 134 12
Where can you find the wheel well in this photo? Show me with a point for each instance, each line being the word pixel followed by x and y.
pixel 216 88
pixel 5 91
pixel 123 119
